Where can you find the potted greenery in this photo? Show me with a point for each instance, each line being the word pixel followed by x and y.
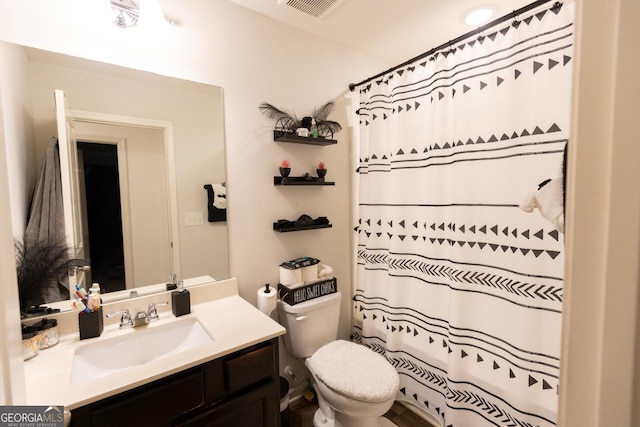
pixel 321 170
pixel 285 169
pixel 289 123
pixel 41 267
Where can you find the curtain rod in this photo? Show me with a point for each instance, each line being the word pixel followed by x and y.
pixel 515 13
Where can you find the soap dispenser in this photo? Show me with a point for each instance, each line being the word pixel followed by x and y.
pixel 180 300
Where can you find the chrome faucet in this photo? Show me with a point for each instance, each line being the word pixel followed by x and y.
pixel 140 319
pixel 152 313
pixel 125 320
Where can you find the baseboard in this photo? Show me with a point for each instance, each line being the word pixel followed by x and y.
pixel 420 413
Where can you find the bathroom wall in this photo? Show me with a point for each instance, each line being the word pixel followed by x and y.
pixel 16 152
pixel 601 341
pixel 17 112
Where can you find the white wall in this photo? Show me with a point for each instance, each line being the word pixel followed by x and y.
pixel 601 328
pixel 16 142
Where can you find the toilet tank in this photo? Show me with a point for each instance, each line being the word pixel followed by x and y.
pixel 310 324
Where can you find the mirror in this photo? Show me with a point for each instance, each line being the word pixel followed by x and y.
pixel 194 112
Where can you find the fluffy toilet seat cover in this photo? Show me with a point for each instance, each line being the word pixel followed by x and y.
pixel 355 371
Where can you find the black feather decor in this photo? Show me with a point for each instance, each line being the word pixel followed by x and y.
pixel 40 264
pixel 290 122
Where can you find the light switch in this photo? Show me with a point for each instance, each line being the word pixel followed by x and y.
pixel 194 218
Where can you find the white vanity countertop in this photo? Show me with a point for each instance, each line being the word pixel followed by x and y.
pixel 231 321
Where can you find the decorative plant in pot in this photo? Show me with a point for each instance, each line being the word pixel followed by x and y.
pixel 285 168
pixel 321 170
pixel 42 265
pixel 288 122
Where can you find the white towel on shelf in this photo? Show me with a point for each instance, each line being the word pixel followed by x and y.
pixel 325 271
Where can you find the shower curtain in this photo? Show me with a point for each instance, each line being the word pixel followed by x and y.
pixel 460 244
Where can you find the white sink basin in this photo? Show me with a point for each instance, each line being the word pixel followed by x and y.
pixel 142 345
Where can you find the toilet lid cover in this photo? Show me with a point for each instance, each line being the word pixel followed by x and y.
pixel 355 371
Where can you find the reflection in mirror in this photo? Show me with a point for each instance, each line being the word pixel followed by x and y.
pixel 122 186
pixel 195 114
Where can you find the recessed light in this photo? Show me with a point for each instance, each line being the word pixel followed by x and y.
pixel 478 16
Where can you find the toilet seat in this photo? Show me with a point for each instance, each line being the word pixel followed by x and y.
pixel 355 371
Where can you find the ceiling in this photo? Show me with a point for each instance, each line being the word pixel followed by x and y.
pixel 393 31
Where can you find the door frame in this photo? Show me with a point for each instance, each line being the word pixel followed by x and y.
pixel 128 121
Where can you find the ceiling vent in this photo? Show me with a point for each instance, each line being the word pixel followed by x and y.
pixel 315 8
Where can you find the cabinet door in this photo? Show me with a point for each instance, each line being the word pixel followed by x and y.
pixel 247 368
pixel 155 406
pixel 257 408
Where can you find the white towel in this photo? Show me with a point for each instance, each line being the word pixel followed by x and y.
pixel 220 196
pixel 325 271
pixel 549 201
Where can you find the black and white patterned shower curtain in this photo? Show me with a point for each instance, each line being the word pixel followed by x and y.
pixel 460 253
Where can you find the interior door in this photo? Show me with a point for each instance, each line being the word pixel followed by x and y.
pixel 73 218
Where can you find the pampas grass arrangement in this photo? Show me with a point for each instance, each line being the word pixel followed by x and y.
pixel 40 265
pixel 291 122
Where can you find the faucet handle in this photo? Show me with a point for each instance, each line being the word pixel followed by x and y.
pixel 125 320
pixel 152 313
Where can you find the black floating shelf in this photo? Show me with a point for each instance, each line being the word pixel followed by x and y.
pixel 282 136
pixel 300 180
pixel 299 227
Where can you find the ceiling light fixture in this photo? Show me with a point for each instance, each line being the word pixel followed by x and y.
pixel 129 13
pixel 478 16
pixel 125 13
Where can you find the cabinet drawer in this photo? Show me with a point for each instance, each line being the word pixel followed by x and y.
pixel 155 406
pixel 249 368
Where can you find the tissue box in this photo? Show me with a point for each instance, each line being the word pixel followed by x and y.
pixel 293 296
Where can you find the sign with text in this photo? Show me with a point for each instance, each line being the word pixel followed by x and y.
pixel 308 292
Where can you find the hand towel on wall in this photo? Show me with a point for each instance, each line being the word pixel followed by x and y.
pixel 217 202
pixel 549 201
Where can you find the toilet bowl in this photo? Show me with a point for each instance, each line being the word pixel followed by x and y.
pixel 355 385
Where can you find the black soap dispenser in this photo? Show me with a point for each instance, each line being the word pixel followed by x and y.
pixel 180 301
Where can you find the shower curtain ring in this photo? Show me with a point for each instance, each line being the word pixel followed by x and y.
pixel 451 48
pixel 556 7
pixel 516 20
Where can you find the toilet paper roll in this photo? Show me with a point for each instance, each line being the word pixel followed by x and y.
pixel 310 273
pixel 267 302
pixel 290 277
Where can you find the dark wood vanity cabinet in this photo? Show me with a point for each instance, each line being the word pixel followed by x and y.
pixel 240 389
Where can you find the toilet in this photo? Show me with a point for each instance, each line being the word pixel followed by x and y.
pixel 355 385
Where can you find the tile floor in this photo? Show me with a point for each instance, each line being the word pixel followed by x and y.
pixel 301 415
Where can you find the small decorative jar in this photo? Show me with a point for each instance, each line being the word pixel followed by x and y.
pixel 29 342
pixel 47 333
